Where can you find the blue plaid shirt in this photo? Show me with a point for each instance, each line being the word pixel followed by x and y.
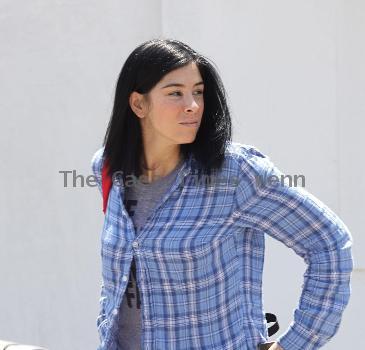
pixel 200 258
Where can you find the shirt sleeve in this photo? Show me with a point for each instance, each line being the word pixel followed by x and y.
pixel 96 167
pixel 302 222
pixel 100 320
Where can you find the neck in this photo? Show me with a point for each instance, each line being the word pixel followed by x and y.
pixel 160 164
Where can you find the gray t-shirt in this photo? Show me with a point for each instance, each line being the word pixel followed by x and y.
pixel 140 199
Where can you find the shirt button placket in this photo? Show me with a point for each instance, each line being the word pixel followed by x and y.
pixel 135 245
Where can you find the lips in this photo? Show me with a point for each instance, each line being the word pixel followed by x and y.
pixel 192 122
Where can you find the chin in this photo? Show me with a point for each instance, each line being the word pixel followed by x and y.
pixel 190 140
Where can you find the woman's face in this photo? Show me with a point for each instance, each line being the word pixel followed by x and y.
pixel 176 99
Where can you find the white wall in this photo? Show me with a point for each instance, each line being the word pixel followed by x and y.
pixel 295 79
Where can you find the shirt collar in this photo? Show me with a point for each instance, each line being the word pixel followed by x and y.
pixel 185 170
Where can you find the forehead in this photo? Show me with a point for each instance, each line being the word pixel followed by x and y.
pixel 188 73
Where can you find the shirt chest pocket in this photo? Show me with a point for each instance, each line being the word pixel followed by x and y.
pixel 186 238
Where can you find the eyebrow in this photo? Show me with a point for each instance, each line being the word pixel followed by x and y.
pixel 181 85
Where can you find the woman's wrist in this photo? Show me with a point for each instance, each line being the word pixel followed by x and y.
pixel 276 346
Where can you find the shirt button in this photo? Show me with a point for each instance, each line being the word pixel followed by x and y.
pixel 135 244
pixel 125 278
pixel 115 311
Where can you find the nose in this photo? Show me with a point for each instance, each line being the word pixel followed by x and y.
pixel 191 105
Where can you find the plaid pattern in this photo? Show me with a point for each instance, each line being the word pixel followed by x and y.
pixel 200 259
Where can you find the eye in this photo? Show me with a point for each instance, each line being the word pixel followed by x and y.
pixel 175 92
pixel 198 92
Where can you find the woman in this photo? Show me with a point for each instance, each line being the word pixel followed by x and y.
pixel 183 239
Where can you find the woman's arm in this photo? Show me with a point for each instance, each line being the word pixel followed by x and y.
pixel 96 165
pixel 302 222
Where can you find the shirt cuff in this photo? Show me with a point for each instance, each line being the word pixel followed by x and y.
pixel 298 338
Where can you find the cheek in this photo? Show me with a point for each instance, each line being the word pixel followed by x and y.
pixel 168 110
pixel 171 105
pixel 166 115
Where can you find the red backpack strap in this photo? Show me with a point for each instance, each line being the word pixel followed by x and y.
pixel 106 183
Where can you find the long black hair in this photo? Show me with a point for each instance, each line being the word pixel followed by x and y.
pixel 143 69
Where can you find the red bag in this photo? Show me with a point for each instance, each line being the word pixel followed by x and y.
pixel 106 184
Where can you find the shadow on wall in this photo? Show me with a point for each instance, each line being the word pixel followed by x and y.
pixel 10 345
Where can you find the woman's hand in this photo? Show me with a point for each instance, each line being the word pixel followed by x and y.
pixel 275 346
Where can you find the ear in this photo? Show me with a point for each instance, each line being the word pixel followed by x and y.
pixel 136 102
